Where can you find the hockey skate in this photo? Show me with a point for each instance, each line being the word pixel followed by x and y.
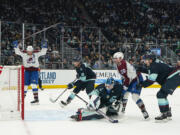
pixel 146 115
pixel 35 102
pixel 63 103
pixel 162 117
pixel 169 114
pixel 123 110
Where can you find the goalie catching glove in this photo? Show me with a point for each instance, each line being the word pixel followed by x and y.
pixel 70 85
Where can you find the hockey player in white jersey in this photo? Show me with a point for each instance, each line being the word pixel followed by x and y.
pixel 31 65
pixel 130 83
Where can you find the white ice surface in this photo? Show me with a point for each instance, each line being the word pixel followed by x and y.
pixel 50 119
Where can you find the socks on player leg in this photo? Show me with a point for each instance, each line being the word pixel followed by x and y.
pixel 164 109
pixel 25 90
pixel 35 93
pixel 163 105
pixel 69 99
pixel 141 105
pixel 124 103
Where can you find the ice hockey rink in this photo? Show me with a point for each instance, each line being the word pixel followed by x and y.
pixel 49 118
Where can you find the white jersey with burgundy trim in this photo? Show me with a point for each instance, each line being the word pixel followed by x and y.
pixel 30 60
pixel 127 71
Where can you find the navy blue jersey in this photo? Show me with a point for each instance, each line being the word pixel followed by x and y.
pixel 108 97
pixel 158 72
pixel 85 73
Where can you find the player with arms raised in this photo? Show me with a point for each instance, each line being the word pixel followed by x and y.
pixel 31 65
pixel 130 81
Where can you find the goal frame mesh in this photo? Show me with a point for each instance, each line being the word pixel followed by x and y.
pixel 20 86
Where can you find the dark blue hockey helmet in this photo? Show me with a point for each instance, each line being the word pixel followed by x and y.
pixel 76 59
pixel 109 84
pixel 150 56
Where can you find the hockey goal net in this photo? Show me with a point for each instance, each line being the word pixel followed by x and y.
pixel 11 92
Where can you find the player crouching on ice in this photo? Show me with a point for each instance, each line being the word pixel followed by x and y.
pixel 31 65
pixel 169 79
pixel 86 80
pixel 106 96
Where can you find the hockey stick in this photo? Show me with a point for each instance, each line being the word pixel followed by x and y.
pixel 53 101
pixel 99 111
pixel 44 29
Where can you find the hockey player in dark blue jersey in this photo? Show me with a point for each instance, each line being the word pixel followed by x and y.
pixel 169 79
pixel 106 96
pixel 85 80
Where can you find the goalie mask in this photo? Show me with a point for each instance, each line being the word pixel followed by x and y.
pixel 109 84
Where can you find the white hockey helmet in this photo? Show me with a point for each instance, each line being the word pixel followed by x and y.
pixel 118 55
pixel 29 49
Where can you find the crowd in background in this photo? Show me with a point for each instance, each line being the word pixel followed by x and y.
pixel 131 26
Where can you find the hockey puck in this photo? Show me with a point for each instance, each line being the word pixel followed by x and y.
pixel 11 111
pixel 115 121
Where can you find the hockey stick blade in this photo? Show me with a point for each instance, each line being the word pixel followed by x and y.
pixel 53 101
pixel 107 117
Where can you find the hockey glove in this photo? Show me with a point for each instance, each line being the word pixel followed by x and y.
pixel 15 44
pixel 70 86
pixel 125 88
pixel 44 44
pixel 116 103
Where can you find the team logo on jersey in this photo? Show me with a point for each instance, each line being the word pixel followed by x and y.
pixel 31 59
pixel 113 98
pixel 122 71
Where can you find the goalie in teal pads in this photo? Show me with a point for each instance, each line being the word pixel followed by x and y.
pixel 106 96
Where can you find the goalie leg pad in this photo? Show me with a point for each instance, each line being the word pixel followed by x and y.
pixel 85 114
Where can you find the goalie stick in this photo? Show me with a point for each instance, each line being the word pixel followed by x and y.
pixel 53 101
pixel 98 111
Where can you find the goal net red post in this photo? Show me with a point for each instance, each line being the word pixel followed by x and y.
pixel 11 92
